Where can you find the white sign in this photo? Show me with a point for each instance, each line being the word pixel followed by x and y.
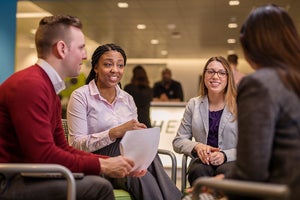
pixel 167 116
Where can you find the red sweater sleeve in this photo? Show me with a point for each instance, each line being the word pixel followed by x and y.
pixel 35 116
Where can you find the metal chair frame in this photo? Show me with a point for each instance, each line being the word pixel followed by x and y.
pixel 244 188
pixel 44 168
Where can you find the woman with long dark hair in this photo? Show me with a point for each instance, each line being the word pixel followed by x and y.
pixel 142 93
pixel 268 101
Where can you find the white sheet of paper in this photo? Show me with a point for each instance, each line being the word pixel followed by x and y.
pixel 140 146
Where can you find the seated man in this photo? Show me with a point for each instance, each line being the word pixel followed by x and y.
pixel 167 89
pixel 30 121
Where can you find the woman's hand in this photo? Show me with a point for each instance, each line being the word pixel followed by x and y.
pixel 119 131
pixel 216 158
pixel 204 151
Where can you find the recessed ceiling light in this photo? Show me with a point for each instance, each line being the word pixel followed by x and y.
pixel 230 52
pixel 33 31
pixel 234 3
pixel 122 4
pixel 171 26
pixel 164 52
pixel 232 25
pixel 231 41
pixel 141 26
pixel 154 41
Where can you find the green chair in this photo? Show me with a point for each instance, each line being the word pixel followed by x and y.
pixel 122 194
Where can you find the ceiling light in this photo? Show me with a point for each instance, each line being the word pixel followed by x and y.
pixel 33 14
pixel 231 41
pixel 176 35
pixel 232 25
pixel 154 41
pixel 171 26
pixel 141 26
pixel 230 52
pixel 122 4
pixel 33 31
pixel 164 52
pixel 234 3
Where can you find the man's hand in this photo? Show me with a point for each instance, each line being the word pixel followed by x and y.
pixel 116 167
pixel 138 173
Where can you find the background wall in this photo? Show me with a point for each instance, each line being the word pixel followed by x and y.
pixel 7 37
pixel 187 71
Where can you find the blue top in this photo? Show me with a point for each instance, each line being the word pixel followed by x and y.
pixel 214 121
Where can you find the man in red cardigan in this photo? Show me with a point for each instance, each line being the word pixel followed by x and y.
pixel 30 120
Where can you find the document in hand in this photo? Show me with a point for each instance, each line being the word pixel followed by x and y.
pixel 140 146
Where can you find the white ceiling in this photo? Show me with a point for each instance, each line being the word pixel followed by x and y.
pixel 202 24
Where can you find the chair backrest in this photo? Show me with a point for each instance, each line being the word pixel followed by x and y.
pixel 42 168
pixel 243 188
pixel 65 127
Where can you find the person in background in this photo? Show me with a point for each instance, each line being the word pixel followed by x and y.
pixel 30 120
pixel 100 113
pixel 268 101
pixel 233 61
pixel 167 89
pixel 210 119
pixel 142 94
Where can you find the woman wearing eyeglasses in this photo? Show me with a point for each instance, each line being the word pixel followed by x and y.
pixel 208 130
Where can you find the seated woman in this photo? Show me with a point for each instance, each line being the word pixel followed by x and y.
pixel 210 119
pixel 100 113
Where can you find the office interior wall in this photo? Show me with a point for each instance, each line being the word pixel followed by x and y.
pixel 7 37
pixel 186 71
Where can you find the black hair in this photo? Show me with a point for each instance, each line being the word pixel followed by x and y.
pixel 232 58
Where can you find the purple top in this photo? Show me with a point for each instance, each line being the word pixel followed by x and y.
pixel 214 120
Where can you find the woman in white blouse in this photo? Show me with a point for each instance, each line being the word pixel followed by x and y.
pixel 100 113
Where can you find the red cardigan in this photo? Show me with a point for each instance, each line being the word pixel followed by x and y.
pixel 30 124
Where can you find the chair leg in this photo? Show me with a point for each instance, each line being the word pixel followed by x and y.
pixel 183 172
pixel 174 162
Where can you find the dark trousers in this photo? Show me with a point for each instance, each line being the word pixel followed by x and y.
pixel 198 169
pixel 17 187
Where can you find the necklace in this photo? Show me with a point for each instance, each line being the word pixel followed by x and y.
pixel 107 94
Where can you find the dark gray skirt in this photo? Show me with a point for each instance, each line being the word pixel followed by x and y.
pixel 156 184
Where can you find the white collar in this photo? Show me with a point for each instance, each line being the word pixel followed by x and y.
pixel 56 80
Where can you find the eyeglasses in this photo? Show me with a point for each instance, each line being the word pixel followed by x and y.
pixel 221 73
